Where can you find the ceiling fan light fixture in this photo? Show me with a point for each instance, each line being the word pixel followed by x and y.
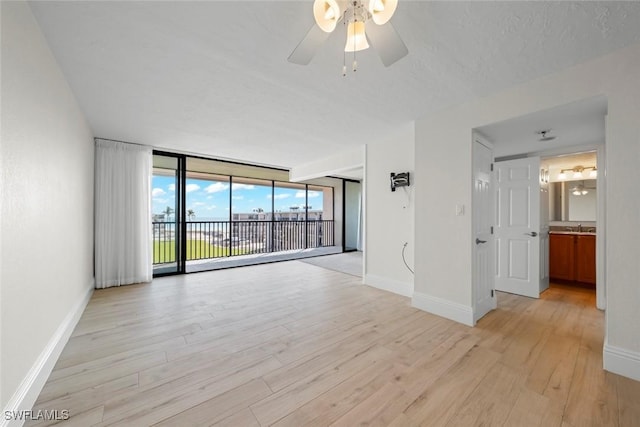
pixel 382 10
pixel 327 13
pixel 579 190
pixel 356 37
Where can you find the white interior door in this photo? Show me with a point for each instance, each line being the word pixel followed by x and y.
pixel 483 216
pixel 517 230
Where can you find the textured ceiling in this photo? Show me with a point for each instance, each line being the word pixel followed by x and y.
pixel 577 124
pixel 212 77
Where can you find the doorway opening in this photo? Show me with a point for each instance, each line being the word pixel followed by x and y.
pixel 571 139
pixel 573 208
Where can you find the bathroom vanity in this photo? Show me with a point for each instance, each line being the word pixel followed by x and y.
pixel 572 257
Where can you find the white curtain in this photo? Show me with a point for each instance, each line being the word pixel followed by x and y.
pixel 123 239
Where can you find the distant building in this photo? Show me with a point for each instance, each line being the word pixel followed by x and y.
pixel 292 215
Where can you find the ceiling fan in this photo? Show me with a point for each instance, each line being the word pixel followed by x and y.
pixel 355 15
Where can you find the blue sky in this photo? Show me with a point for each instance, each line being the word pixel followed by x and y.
pixel 210 199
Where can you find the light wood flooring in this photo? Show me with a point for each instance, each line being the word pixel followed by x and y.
pixel 293 344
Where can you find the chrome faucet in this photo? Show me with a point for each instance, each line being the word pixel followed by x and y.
pixel 579 228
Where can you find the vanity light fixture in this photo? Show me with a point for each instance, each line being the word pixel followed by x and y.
pixel 578 172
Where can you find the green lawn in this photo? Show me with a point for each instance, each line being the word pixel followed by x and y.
pixel 196 249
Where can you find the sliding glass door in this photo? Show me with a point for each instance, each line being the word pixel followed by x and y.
pixel 203 214
pixel 166 195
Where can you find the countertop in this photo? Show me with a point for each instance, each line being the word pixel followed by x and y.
pixel 577 233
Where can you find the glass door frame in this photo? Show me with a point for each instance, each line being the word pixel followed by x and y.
pixel 180 224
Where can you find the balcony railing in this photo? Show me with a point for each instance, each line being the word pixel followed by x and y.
pixel 217 239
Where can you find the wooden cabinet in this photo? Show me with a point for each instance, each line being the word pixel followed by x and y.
pixel 586 259
pixel 562 256
pixel 572 257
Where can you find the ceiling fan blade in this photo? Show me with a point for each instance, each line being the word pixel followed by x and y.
pixel 385 39
pixel 306 49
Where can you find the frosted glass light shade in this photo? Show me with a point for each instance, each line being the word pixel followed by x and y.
pixel 356 37
pixel 327 13
pixel 382 10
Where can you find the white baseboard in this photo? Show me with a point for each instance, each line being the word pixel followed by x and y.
pixel 397 287
pixel 441 307
pixel 25 396
pixel 621 361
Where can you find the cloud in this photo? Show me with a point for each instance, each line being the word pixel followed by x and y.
pixel 237 197
pixel 160 200
pixel 243 186
pixel 157 192
pixel 199 204
pixel 279 196
pixel 216 187
pixel 192 187
pixel 172 187
pixel 311 194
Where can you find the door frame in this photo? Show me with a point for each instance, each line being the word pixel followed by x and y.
pixel 480 139
pixel 181 226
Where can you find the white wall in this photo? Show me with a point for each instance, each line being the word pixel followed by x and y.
pixel 389 216
pixel 443 150
pixel 46 219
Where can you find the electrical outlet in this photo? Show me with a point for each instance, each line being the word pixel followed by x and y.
pixel 459 209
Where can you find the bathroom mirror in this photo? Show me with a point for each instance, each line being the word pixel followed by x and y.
pixel 573 200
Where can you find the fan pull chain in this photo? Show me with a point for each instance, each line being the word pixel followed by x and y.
pixel 355 63
pixel 344 64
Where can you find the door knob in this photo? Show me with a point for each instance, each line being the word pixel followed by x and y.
pixel 478 241
pixel 532 234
